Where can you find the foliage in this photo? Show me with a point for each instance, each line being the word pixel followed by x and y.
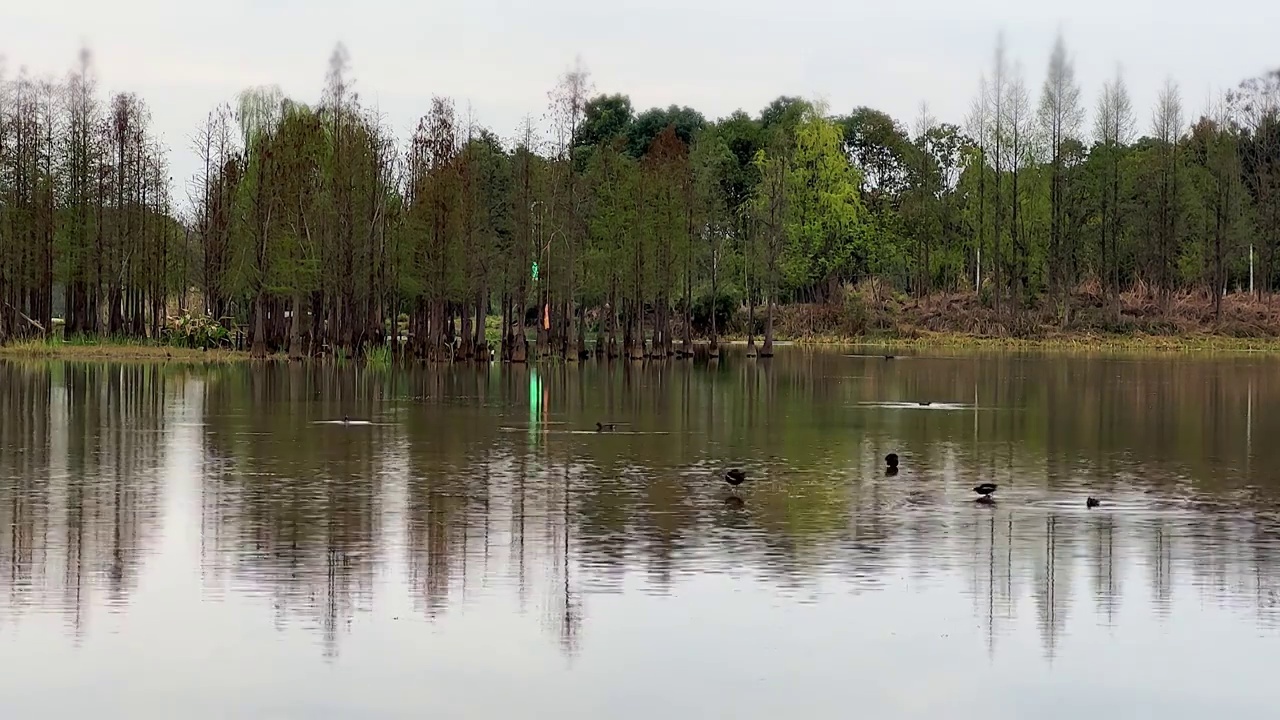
pixel 196 331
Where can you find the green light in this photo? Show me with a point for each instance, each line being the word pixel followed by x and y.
pixel 535 271
pixel 535 402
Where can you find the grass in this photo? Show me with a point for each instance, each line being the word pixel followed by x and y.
pixel 378 357
pixel 82 348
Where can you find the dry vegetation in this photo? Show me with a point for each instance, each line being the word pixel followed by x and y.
pixel 1187 319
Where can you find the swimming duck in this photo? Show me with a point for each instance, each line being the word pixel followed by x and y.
pixel 985 489
pixel 1092 502
pixel 606 427
pixel 891 460
pixel 735 477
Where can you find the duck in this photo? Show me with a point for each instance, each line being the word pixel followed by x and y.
pixel 1092 502
pixel 735 477
pixel 888 357
pixel 346 420
pixel 606 427
pixel 984 491
pixel 926 403
pixel 891 460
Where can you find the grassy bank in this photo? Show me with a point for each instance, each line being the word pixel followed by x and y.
pixel 114 350
pixel 1077 342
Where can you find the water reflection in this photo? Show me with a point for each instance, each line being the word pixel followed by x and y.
pixel 486 494
pixel 81 451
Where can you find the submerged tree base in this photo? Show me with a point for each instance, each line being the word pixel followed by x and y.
pixel 1137 320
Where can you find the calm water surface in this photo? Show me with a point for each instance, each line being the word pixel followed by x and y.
pixel 206 542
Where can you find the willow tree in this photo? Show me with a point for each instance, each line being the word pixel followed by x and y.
pixel 258 114
pixel 824 217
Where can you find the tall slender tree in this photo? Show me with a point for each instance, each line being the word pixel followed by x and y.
pixel 1060 116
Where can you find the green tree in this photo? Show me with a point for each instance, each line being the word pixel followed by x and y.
pixel 825 219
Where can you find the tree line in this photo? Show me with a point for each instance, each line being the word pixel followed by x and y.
pixel 319 231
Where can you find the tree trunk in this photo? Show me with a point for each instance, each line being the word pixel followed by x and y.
pixel 766 350
pixel 687 335
pixel 714 347
pixel 508 334
pixel 295 330
pixel 628 330
pixel 467 337
pixel 637 349
pixel 481 342
pixel 611 312
pixel 570 331
pixel 259 327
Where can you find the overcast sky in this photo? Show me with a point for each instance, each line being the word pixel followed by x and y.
pixel 501 57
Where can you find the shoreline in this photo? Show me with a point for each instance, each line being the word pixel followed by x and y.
pixel 112 350
pixel 1066 343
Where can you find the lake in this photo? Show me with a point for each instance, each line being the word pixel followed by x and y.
pixel 215 542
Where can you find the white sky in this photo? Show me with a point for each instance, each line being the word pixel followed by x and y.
pixel 502 57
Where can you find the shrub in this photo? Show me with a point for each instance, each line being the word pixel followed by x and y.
pixel 196 331
pixel 724 309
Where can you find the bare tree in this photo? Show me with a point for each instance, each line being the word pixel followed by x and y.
pixel 80 155
pixel 1060 116
pixel 568 105
pixel 1256 105
pixel 997 106
pixel 979 125
pixel 1166 128
pixel 1019 124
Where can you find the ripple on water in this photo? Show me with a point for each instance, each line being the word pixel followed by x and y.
pixel 918 405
